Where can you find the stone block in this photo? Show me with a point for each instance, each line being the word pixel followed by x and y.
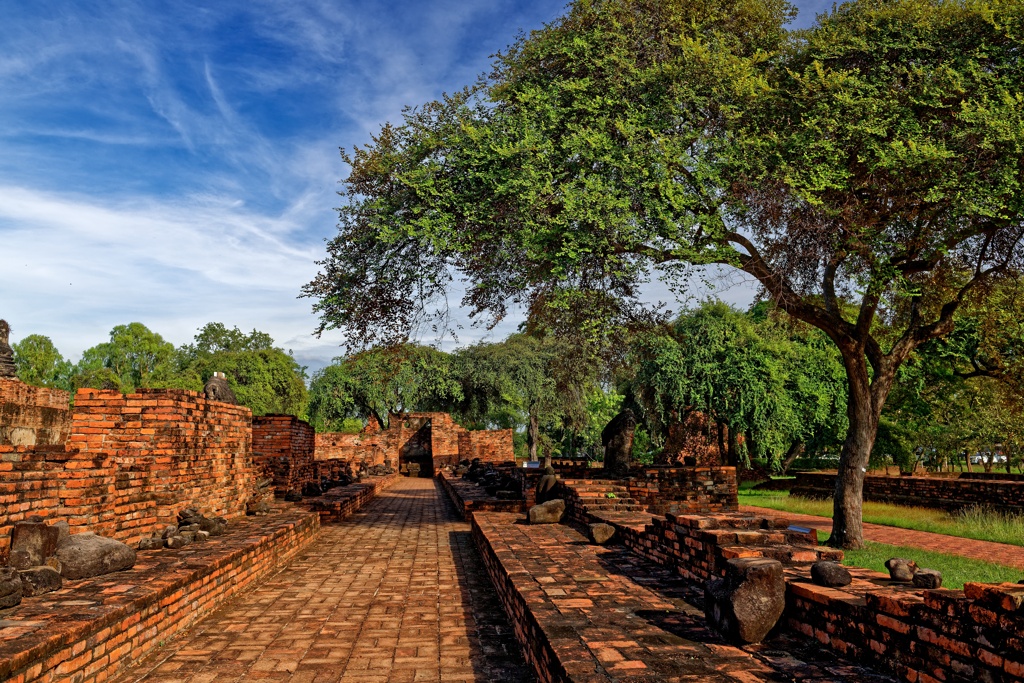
pixel 547 513
pixel 601 533
pixel 37 539
pixel 747 603
pixel 85 555
pixel 39 580
pixel 10 587
pixel 927 578
pixel 831 574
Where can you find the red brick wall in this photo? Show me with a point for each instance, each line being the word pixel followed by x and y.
pixel 933 492
pixel 921 635
pixel 32 416
pixel 368 447
pixel 131 463
pixel 490 446
pixel 686 490
pixel 282 449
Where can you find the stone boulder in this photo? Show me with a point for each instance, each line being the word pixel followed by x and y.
pixel 32 543
pixel 85 555
pixel 617 439
pixel 215 526
pixel 153 543
pixel 747 603
pixel 901 569
pixel 928 578
pixel 831 574
pixel 10 587
pixel 601 533
pixel 254 507
pixel 39 580
pixel 547 513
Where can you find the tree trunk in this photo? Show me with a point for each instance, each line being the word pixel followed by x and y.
pixel 733 457
pixel 533 438
pixel 863 409
pixel 722 454
pixel 794 452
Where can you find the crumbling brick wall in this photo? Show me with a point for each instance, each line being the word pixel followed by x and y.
pixel 490 445
pixel 32 416
pixel 282 449
pixel 686 490
pixel 131 463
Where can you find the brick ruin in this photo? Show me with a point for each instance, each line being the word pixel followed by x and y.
pixel 430 440
pixel 123 466
pixel 686 521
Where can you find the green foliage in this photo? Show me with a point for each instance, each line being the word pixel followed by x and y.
pixel 40 364
pixel 134 357
pixel 774 383
pixel 956 570
pixel 867 172
pixel 264 378
pixel 892 445
pixel 379 382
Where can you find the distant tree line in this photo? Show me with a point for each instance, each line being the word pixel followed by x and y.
pixel 263 377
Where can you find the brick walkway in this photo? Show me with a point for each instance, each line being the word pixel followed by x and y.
pixel 397 593
pixel 1000 553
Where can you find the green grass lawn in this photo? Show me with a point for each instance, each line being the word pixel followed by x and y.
pixel 955 570
pixel 973 523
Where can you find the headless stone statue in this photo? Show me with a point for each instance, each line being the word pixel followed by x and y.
pixel 546 485
pixel 617 438
pixel 7 369
pixel 217 389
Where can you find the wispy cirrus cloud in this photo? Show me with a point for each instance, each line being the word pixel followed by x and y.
pixel 176 163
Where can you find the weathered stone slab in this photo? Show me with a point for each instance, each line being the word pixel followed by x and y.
pixel 85 555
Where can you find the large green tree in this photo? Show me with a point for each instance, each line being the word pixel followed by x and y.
pixel 875 158
pixel 778 386
pixel 263 377
pixel 512 384
pixel 133 357
pixel 39 363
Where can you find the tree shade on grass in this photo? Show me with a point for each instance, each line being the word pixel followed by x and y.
pixel 974 522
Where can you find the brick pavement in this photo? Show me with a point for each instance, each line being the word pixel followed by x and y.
pixel 395 593
pixel 1000 553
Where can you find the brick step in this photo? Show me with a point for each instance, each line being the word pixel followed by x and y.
pixel 615 508
pixel 609 501
pixel 786 554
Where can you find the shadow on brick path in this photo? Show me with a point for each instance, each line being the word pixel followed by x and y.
pixel 396 593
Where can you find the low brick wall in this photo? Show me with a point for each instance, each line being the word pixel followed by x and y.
pixel 515 588
pixel 684 490
pixel 976 634
pixel 934 492
pixel 91 629
pixel 338 504
pixel 469 498
pixel 282 449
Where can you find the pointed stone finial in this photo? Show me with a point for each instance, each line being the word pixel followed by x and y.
pixel 7 369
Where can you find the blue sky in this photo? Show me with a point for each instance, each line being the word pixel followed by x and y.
pixel 177 163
